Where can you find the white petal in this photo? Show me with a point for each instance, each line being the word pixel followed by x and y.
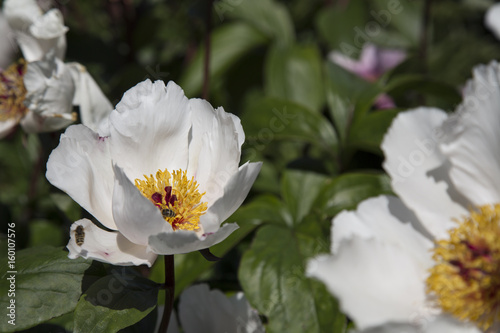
pixel 382 218
pixel 7 43
pixel 36 33
pixel 50 32
pixel 94 106
pixel 471 138
pixel 105 246
pixel 392 328
pixel 214 150
pixel 49 26
pixel 81 167
pixel 413 160
pixel 50 91
pixel 375 282
pixel 210 311
pixel 153 122
pixel 135 216
pixel 7 126
pixel 182 241
pixel 21 13
pixel 36 123
pixel 444 323
pixel 247 318
pixel 233 193
pixel 492 19
pixel 425 324
pixel 29 45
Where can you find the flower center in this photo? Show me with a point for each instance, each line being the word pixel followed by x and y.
pixel 176 197
pixel 466 277
pixel 12 92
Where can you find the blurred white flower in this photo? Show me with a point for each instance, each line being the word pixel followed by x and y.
pixel 371 65
pixel 163 175
pixel 430 261
pixel 51 86
pixel 36 32
pixel 210 311
pixel 492 19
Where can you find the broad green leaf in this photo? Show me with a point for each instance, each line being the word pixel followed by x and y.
pixel 44 232
pixel 299 191
pixel 294 73
pixel 268 119
pixel 405 17
pixel 272 276
pixel 341 111
pixel 47 285
pixel 270 17
pixel 229 43
pixel 114 302
pixel 402 84
pixel 64 202
pixel 268 179
pixel 354 92
pixel 348 190
pixel 367 133
pixel 343 27
pixel 65 321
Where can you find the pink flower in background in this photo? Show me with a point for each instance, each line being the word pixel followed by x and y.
pixel 371 65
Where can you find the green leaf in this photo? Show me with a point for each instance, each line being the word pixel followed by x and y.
pixel 47 285
pixel 367 133
pixel 405 18
pixel 267 119
pixel 344 27
pixel 229 43
pixel 294 73
pixel 64 202
pixel 341 111
pixel 348 190
pixel 299 191
pixel 270 17
pixel 357 95
pixel 272 276
pixel 43 232
pixel 401 84
pixel 114 302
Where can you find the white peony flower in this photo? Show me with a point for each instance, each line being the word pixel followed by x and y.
pixel 36 33
pixel 163 175
pixel 430 261
pixel 210 311
pixel 51 87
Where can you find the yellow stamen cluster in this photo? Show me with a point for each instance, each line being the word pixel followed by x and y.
pixel 176 196
pixel 13 92
pixel 466 277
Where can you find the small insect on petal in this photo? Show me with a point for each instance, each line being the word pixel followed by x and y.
pixel 79 235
